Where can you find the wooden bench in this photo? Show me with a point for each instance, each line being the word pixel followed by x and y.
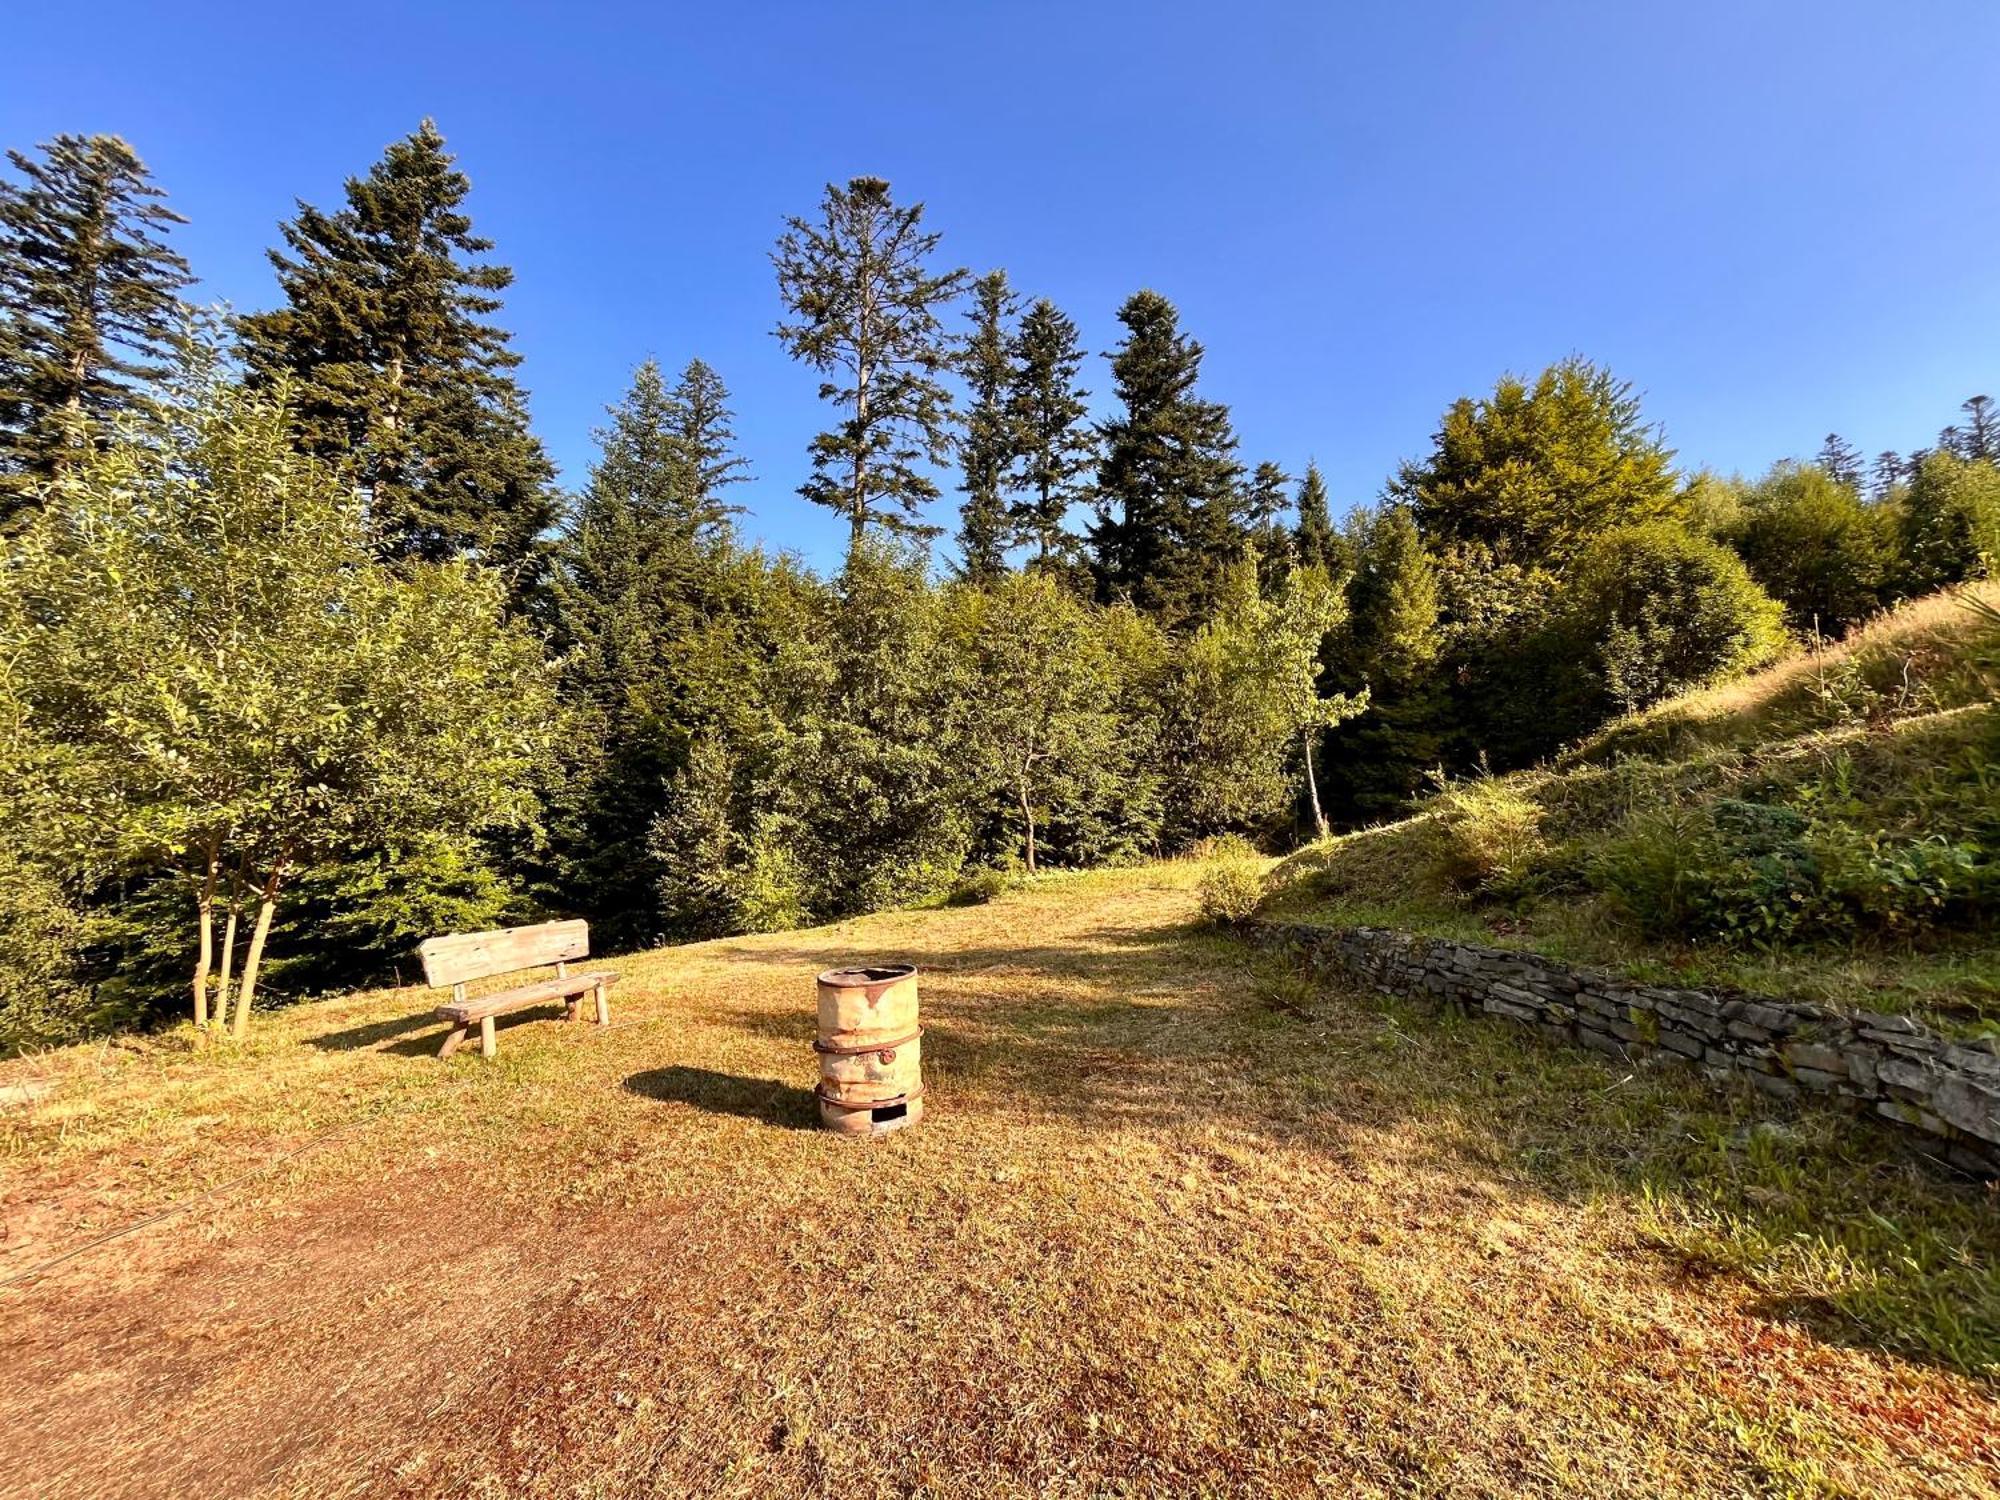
pixel 465 956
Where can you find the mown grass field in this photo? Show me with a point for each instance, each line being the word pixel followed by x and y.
pixel 1176 1224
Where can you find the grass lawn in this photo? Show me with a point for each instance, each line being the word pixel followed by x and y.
pixel 1176 1223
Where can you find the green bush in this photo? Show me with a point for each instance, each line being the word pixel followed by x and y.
pixel 1232 887
pixel 1662 610
pixel 1490 837
pixel 1823 552
pixel 1950 522
pixel 978 888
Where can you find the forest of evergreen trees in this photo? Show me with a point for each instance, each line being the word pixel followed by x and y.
pixel 308 655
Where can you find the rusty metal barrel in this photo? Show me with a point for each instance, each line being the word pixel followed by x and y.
pixel 870 1047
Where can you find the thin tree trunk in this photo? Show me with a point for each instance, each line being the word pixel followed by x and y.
pixel 1028 812
pixel 228 948
pixel 247 991
pixel 1312 788
pixel 205 955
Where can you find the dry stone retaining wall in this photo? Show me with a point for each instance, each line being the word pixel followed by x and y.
pixel 1885 1065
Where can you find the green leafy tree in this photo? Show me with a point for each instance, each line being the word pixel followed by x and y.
pixel 1818 548
pixel 1537 471
pixel 991 442
pixel 388 350
pixel 1041 720
pixel 1167 484
pixel 1950 521
pixel 1659 610
pixel 1057 451
pixel 1241 691
pixel 1309 609
pixel 90 309
pixel 199 615
pixel 866 314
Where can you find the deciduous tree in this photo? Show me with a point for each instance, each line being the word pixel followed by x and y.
pixel 198 614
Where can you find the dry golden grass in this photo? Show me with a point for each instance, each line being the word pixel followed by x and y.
pixel 1175 1225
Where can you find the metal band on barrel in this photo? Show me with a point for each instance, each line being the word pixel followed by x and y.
pixel 833 1049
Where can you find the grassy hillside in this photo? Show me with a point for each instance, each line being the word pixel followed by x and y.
pixel 1176 1222
pixel 1826 828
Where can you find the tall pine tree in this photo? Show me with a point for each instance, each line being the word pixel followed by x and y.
pixel 1315 541
pixel 1982 429
pixel 1842 460
pixel 703 448
pixel 1058 450
pixel 90 308
pixel 866 314
pixel 1167 483
pixel 986 454
pixel 396 366
pixel 645 591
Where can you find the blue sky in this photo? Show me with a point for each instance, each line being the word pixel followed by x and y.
pixel 1774 218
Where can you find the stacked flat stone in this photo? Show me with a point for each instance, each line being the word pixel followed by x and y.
pixel 1885 1065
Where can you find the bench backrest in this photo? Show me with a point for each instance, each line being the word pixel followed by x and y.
pixel 476 955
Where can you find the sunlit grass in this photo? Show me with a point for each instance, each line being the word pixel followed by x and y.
pixel 1180 1221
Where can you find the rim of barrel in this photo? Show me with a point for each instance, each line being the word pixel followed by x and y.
pixel 862 976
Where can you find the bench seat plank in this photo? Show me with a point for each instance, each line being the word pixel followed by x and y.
pixel 522 996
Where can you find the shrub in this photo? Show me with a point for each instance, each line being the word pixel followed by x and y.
pixel 1950 521
pixel 978 888
pixel 1232 886
pixel 1490 837
pixel 1661 610
pixel 1823 552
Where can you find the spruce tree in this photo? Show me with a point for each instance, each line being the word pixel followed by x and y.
pixel 90 307
pixel 1315 541
pixel 1982 429
pixel 1841 460
pixel 1058 451
pixel 702 454
pixel 1264 498
pixel 1167 483
pixel 645 603
pixel 387 338
pixel 1888 474
pixel 1391 646
pixel 866 309
pixel 988 449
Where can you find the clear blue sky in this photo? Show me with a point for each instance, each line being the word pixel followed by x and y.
pixel 1774 218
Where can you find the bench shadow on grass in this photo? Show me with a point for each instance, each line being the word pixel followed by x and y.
pixel 766 1099
pixel 432 1032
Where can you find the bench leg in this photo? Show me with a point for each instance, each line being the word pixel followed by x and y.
pixel 573 1008
pixel 603 1008
pixel 487 1046
pixel 452 1042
